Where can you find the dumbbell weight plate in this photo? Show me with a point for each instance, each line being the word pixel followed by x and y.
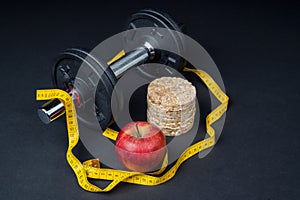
pixel 153 18
pixel 63 76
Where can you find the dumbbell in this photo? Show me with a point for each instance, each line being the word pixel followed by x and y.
pixel 68 63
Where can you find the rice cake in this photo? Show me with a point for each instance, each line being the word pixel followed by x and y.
pixel 171 105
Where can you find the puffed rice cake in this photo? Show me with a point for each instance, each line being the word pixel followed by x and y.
pixel 171 105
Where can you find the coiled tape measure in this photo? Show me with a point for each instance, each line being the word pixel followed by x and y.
pixel 91 168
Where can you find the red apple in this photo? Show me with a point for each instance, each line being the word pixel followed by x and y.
pixel 140 146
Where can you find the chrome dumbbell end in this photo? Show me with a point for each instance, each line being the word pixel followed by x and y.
pixel 51 110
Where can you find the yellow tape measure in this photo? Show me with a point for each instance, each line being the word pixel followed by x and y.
pixel 92 169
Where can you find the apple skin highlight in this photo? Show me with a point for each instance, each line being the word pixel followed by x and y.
pixel 140 146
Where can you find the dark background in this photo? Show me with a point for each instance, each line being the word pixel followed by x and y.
pixel 255 46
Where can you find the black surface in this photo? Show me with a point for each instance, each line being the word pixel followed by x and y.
pixel 255 46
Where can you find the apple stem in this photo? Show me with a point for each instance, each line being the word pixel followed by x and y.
pixel 138 131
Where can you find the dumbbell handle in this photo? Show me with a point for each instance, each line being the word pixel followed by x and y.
pixel 53 109
pixel 132 59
